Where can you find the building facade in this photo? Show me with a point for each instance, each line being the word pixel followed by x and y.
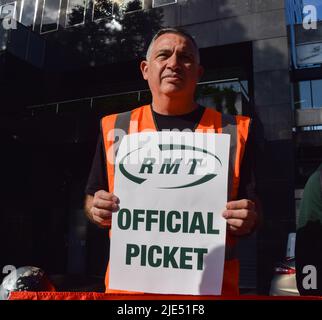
pixel 66 63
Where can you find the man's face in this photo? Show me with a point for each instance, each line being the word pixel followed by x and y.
pixel 172 68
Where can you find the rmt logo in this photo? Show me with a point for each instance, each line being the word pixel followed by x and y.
pixel 7 15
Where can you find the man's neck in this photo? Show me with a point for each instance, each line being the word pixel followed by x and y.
pixel 172 107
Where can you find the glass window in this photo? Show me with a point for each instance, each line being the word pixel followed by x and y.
pixel 102 9
pixel 28 12
pixel 308 94
pixel 129 5
pixel 311 128
pixel 50 15
pixel 302 95
pixel 158 3
pixel 75 12
pixel 317 93
pixel 224 96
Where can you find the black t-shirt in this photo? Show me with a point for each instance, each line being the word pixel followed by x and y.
pixel 98 180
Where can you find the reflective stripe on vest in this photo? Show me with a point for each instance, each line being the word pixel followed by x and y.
pixel 114 127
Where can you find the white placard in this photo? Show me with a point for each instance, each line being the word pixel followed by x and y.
pixel 169 234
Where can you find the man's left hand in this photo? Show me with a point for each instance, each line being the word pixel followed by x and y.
pixel 241 217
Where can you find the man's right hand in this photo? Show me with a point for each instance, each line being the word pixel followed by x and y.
pixel 99 208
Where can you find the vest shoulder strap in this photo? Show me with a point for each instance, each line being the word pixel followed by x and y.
pixel 123 121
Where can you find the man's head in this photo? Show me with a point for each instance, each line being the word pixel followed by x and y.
pixel 173 31
pixel 172 66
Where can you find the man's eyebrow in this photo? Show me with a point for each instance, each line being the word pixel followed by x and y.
pixel 165 50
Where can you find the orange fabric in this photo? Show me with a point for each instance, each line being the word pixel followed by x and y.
pixel 242 134
pixel 30 295
pixel 230 286
pixel 107 126
pixel 211 121
pixel 142 120
pixel 44 295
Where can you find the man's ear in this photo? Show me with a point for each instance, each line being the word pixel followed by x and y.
pixel 144 69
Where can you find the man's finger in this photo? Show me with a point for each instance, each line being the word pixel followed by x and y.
pixel 246 224
pixel 238 223
pixel 105 204
pixel 101 213
pixel 240 204
pixel 104 195
pixel 238 214
pixel 103 223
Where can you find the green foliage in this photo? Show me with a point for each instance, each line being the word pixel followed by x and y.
pixel 221 97
pixel 118 32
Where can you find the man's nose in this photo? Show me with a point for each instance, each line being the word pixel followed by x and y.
pixel 173 62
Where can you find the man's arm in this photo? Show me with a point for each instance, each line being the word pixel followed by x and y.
pixel 97 179
pixel 245 215
pixel 242 217
pixel 88 204
pixel 99 203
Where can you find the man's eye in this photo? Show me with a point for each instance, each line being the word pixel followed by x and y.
pixel 187 57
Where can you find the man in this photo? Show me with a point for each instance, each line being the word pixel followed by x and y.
pixel 308 247
pixel 172 69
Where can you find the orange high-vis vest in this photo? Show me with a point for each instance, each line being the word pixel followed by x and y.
pixel 114 127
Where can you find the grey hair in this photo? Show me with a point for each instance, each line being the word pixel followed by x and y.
pixel 174 31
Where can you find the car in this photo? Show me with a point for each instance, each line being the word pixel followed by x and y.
pixel 284 280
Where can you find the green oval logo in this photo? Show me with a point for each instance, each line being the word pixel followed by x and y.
pixel 192 165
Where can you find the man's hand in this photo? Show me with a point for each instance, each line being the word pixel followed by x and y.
pixel 241 216
pixel 99 208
